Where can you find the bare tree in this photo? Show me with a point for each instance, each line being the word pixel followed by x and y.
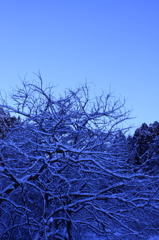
pixel 62 174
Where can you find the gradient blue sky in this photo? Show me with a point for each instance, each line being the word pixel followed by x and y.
pixel 107 42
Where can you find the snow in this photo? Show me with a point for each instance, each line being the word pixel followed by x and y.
pixel 154 238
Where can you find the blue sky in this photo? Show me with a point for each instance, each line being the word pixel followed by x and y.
pixel 104 42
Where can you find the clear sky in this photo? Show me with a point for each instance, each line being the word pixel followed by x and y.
pixel 105 42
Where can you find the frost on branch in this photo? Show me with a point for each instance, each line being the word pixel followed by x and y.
pixel 64 172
